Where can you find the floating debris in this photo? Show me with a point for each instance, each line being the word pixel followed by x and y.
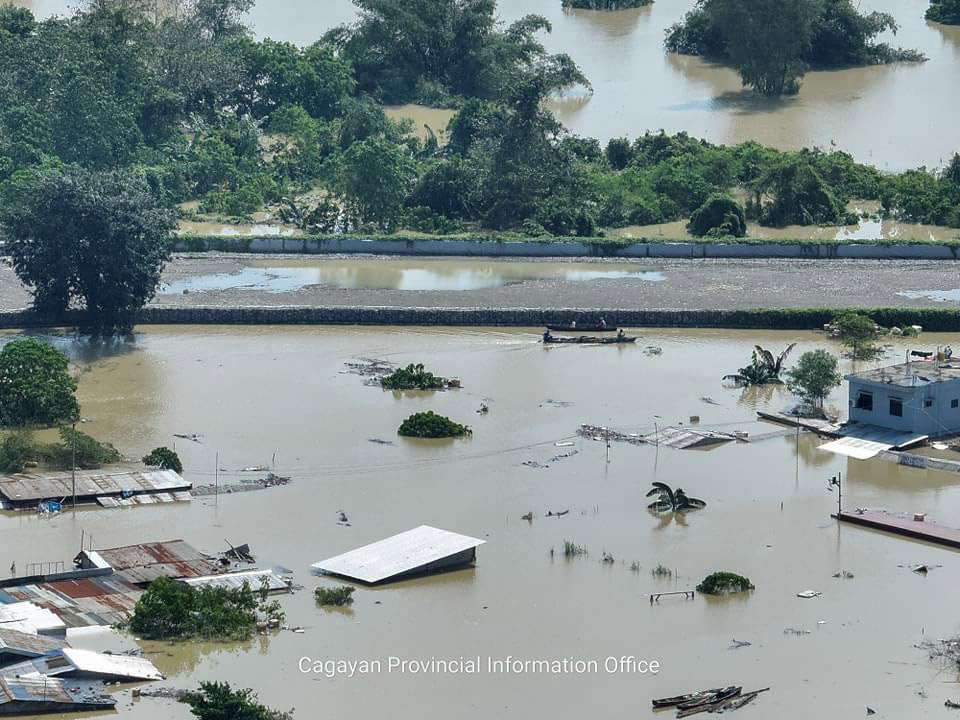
pixel 653 350
pixel 795 631
pixel 528 517
pixel 378 441
pixel 557 403
pixel 709 400
pixel 809 594
pixel 192 437
pixel 737 644
pixel 551 513
pixel 271 480
pixel 844 574
pixel 370 368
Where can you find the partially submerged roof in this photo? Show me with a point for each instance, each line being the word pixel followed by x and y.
pixel 26 695
pixel 88 665
pixel 16 645
pixel 687 438
pixel 81 602
pixel 31 618
pixel 24 488
pixel 235 580
pixel 143 563
pixel 423 549
pixel 911 374
pixel 862 442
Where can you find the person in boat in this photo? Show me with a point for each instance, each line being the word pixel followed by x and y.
pixel 620 334
pixel 603 323
pixel 547 337
pixel 573 324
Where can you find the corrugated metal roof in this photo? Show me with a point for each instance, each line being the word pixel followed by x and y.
pixel 42 694
pixel 29 617
pixel 142 564
pixel 17 644
pixel 398 555
pixel 235 580
pixel 26 488
pixel 81 603
pixel 88 665
pixel 148 499
pixel 687 438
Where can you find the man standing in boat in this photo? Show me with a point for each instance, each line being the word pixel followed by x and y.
pixel 603 323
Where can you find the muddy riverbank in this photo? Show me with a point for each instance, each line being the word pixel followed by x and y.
pixel 231 281
pixel 260 393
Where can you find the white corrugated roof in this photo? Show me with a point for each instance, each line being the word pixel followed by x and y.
pixel 398 555
pixel 110 667
pixel 235 580
pixel 30 618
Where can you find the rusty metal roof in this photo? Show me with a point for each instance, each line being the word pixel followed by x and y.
pixel 24 488
pixel 27 695
pixel 16 645
pixel 79 603
pixel 142 564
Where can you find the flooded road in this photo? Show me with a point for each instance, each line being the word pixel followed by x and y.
pixel 259 393
pixel 893 116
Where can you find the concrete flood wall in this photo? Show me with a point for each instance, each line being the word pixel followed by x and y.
pixel 474 247
pixel 785 319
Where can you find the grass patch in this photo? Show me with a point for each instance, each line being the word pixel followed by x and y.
pixel 338 596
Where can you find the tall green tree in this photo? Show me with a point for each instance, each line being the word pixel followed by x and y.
pixel 94 239
pixel 766 40
pixel 944 11
pixel 814 376
pixel 35 385
pixel 377 176
pixel 218 701
pixel 859 333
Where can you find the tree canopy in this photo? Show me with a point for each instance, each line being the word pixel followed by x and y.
pixel 95 238
pixel 944 11
pixel 35 384
pixel 218 701
pixel 814 376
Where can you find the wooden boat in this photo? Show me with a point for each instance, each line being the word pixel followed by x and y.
pixel 581 328
pixel 738 702
pixel 678 699
pixel 589 340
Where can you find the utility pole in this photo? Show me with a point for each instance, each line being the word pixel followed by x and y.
pixel 216 478
pixel 73 464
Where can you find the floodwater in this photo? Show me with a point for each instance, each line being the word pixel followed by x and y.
pixel 262 393
pixel 938 295
pixel 894 116
pixel 279 276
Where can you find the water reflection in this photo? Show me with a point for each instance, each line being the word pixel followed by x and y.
pixel 433 277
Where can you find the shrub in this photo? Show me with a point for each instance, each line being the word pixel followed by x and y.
pixel 719 583
pixel 164 458
pixel 338 596
pixel 430 425
pixel 16 450
pixel 77 449
pixel 719 216
pixel 413 377
pixel 218 701
pixel 35 385
pixel 572 549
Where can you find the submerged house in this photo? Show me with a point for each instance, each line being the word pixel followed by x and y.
pixel 108 489
pixel 914 398
pixel 419 551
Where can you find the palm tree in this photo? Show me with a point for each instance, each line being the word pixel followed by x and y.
pixel 764 367
pixel 672 500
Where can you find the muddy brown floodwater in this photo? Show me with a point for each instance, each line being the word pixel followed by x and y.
pixel 260 393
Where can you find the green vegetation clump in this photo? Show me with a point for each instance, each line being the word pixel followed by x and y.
pixel 173 610
pixel 719 216
pixel 430 425
pixel 661 571
pixel 763 369
pixel 719 583
pixel 413 377
pixel 605 4
pixel 571 549
pixel 771 43
pixel 164 458
pixel 218 701
pixel 814 376
pixel 76 449
pixel 944 11
pixel 35 385
pixel 338 596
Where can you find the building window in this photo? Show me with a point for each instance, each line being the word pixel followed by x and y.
pixel 865 401
pixel 928 402
pixel 896 407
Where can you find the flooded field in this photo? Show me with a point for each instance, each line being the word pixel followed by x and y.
pixel 867 111
pixel 256 394
pixel 280 275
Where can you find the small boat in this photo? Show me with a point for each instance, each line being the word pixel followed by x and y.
pixel 570 329
pixel 589 340
pixel 689 697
